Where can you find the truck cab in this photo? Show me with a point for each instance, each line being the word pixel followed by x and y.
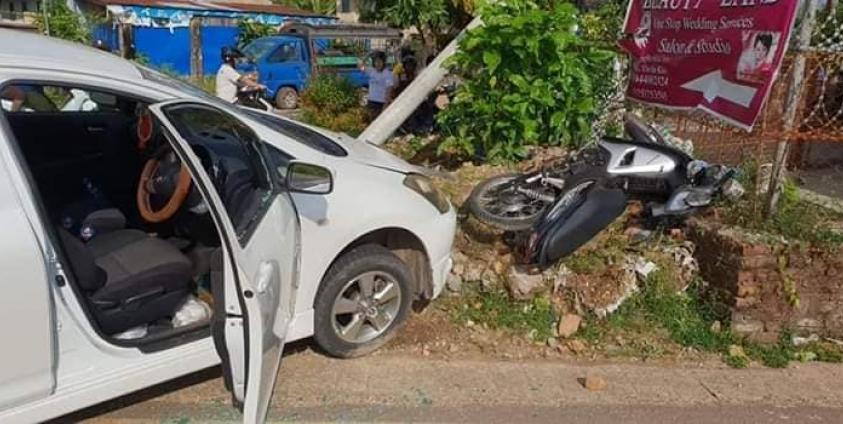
pixel 285 62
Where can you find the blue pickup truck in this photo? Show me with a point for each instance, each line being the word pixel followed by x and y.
pixel 285 62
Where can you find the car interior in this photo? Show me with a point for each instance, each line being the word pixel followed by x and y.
pixel 134 229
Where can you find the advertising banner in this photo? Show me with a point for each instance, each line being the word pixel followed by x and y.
pixel 721 56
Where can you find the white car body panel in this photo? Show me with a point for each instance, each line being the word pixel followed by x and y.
pixel 368 195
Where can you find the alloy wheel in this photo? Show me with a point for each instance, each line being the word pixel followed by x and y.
pixel 366 307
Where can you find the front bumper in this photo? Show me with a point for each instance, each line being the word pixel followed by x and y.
pixel 442 241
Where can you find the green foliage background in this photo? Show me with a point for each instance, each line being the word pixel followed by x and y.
pixel 530 78
pixel 332 102
pixel 251 30
pixel 62 22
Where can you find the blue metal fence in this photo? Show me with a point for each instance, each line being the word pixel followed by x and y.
pixel 214 38
pixel 167 49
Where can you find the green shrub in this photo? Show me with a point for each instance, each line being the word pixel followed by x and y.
pixel 530 79
pixel 333 102
pixel 62 22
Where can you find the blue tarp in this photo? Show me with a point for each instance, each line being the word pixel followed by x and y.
pixel 166 49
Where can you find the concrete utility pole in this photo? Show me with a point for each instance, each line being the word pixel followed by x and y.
pixel 403 106
pixel 792 103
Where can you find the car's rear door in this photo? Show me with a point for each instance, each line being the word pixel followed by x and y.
pixel 260 244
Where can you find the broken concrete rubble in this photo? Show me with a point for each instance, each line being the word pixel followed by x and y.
pixel 524 282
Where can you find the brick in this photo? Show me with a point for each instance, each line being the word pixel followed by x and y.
pixel 745 302
pixel 747 327
pixel 746 277
pixel 755 249
pixel 808 324
pixel 747 290
pixel 762 261
pixel 764 337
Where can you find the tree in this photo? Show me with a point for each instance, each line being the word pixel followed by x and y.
pixel 430 17
pixel 322 7
pixel 58 20
pixel 530 78
pixel 251 30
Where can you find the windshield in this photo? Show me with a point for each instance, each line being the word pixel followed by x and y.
pixel 299 133
pixel 258 48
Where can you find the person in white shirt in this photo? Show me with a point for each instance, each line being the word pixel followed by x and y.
pixel 229 80
pixel 381 83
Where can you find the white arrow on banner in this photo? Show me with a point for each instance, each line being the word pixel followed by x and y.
pixel 712 85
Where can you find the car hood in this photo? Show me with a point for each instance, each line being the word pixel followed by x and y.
pixel 369 154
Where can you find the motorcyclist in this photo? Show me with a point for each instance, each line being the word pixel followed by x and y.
pixel 229 80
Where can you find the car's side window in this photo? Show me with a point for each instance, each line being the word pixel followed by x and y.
pixel 31 98
pixel 230 154
pixel 286 52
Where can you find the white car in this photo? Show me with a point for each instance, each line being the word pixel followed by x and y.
pixel 161 231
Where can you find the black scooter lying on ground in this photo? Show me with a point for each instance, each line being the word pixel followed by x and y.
pixel 553 212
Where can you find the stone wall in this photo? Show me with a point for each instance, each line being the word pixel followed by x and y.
pixel 769 287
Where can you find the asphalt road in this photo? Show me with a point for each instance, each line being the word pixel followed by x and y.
pixel 391 387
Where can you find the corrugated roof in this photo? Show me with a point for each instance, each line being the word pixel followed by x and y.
pixel 273 9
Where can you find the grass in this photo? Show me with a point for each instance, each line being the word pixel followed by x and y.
pixel 794 219
pixel 496 310
pixel 687 320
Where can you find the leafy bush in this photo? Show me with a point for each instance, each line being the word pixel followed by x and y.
pixel 334 103
pixel 530 79
pixel 604 24
pixel 62 22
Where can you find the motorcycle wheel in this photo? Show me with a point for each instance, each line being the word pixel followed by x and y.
pixel 497 202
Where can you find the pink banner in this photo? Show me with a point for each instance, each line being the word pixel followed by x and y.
pixel 720 56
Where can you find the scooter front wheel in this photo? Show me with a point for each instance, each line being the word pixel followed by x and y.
pixel 509 202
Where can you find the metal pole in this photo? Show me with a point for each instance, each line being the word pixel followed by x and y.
pixel 44 5
pixel 806 32
pixel 403 106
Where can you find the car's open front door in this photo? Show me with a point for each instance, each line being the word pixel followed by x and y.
pixel 260 244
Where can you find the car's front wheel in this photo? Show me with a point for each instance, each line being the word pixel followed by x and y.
pixel 362 302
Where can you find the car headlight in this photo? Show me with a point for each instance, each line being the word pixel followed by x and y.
pixel 424 186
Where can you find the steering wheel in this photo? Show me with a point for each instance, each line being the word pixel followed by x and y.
pixel 165 178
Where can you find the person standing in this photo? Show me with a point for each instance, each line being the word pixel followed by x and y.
pixel 381 83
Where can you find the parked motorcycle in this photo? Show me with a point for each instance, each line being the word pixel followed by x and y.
pixel 556 210
pixel 253 97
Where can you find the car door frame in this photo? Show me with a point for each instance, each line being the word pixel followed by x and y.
pixel 243 312
pixel 18 181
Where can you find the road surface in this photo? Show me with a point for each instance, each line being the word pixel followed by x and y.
pixel 391 387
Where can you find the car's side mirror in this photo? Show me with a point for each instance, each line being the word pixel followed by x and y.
pixel 308 178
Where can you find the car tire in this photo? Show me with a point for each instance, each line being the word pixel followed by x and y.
pixel 287 98
pixel 341 300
